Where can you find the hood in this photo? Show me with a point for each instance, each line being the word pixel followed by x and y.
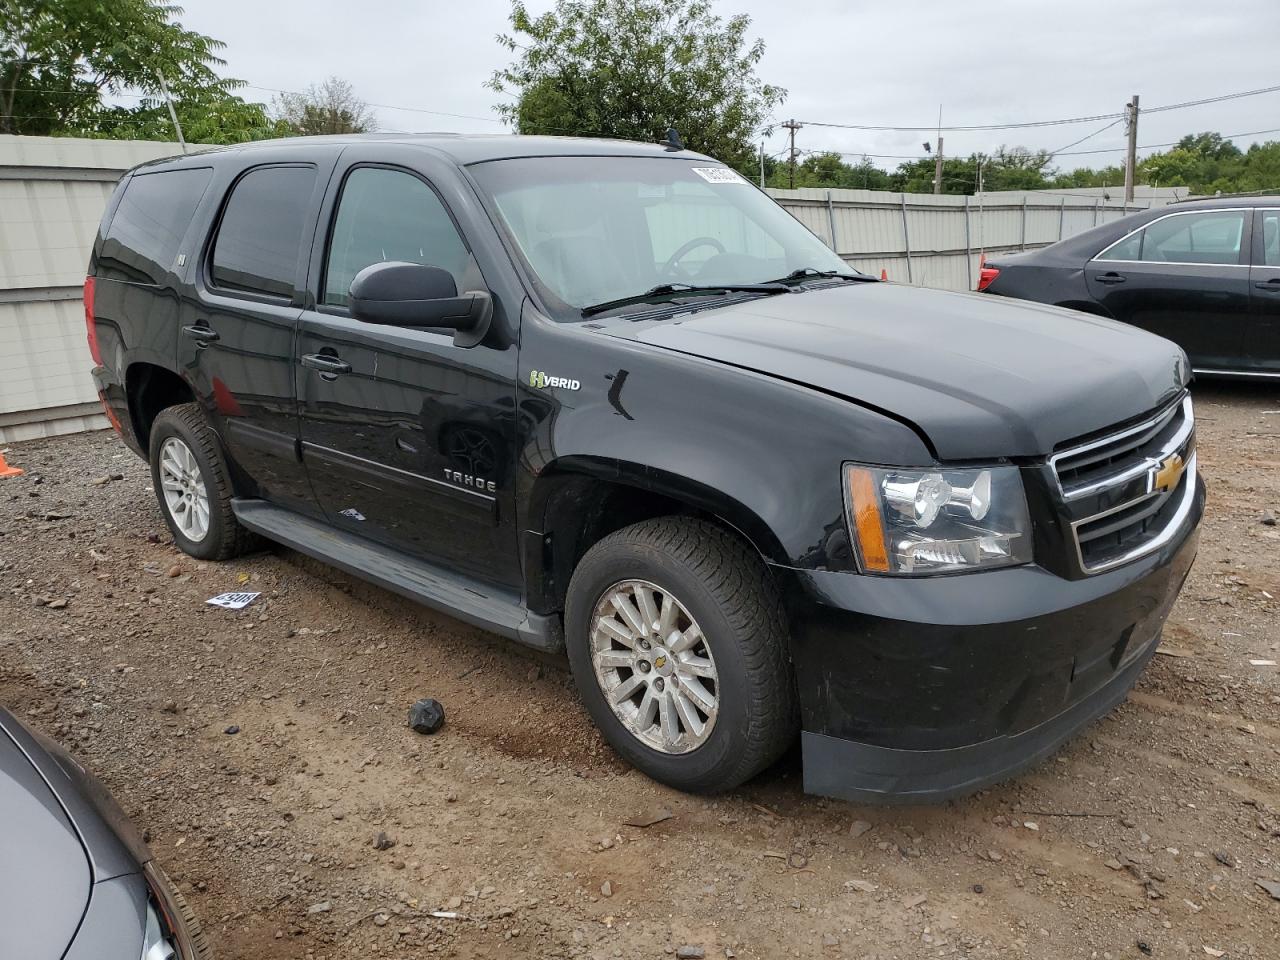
pixel 981 377
pixel 45 879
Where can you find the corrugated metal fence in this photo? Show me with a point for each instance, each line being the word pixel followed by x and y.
pixel 938 241
pixel 53 190
pixel 52 193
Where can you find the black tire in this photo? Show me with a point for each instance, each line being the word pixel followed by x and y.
pixel 729 592
pixel 194 945
pixel 225 537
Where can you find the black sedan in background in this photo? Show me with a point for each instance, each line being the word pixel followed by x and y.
pixel 1205 274
pixel 76 879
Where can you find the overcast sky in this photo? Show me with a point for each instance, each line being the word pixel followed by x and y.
pixel 841 61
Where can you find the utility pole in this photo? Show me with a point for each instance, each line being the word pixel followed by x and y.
pixel 937 168
pixel 792 127
pixel 761 164
pixel 937 158
pixel 173 114
pixel 1131 163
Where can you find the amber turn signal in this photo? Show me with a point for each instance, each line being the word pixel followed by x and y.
pixel 867 525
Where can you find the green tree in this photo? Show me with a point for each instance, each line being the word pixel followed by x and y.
pixel 832 171
pixel 631 69
pixel 1111 176
pixel 331 107
pixel 1260 171
pixel 59 59
pixel 1209 145
pixel 1009 168
pixel 1199 161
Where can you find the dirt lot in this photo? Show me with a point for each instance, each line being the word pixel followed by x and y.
pixel 1143 836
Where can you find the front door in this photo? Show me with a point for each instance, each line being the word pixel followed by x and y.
pixel 1262 343
pixel 408 438
pixel 238 327
pixel 1185 277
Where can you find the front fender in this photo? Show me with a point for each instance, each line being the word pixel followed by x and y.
pixel 762 454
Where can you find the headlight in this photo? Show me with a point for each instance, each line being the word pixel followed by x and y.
pixel 921 521
pixel 157 945
pixel 172 931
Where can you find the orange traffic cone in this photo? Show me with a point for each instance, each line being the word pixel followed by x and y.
pixel 884 274
pixel 8 471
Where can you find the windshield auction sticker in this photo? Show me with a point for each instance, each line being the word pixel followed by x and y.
pixel 717 175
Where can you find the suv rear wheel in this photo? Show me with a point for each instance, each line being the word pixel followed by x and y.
pixel 193 485
pixel 678 646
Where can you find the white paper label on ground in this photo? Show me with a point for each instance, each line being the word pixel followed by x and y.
pixel 233 601
pixel 718 175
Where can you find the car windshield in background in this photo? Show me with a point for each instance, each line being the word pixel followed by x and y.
pixel 596 230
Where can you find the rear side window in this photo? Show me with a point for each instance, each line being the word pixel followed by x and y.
pixel 1211 237
pixel 142 240
pixel 1130 248
pixel 1270 239
pixel 260 237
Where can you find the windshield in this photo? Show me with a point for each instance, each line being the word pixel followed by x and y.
pixel 596 229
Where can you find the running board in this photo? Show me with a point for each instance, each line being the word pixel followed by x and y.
pixel 441 589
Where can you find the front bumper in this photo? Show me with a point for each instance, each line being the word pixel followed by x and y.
pixel 922 690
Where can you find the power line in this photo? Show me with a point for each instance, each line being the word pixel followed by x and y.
pixel 1056 153
pixel 1090 136
pixel 1173 143
pixel 94 92
pixel 385 106
pixel 1044 123
pixel 1217 99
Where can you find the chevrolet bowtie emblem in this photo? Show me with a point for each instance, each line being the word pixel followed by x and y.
pixel 1168 474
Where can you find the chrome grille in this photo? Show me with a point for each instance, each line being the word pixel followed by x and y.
pixel 1123 490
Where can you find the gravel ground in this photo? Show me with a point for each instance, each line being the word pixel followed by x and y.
pixel 265 750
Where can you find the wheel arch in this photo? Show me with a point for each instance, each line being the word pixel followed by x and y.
pixel 578 501
pixel 150 389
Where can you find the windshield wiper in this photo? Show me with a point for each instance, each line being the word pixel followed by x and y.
pixel 665 290
pixel 811 273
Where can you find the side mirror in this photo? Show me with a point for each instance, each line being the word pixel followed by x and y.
pixel 399 294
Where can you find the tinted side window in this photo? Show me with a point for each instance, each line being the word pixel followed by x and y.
pixel 389 215
pixel 260 236
pixel 1129 248
pixel 1270 256
pixel 1210 237
pixel 142 240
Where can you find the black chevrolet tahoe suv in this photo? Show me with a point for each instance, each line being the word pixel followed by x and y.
pixel 609 399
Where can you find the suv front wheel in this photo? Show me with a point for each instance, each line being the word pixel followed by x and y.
pixel 678 645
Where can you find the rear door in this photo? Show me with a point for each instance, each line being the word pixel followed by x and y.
pixel 1262 344
pixel 409 438
pixel 237 331
pixel 1184 276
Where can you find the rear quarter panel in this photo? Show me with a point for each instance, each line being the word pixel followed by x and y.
pixel 136 322
pixel 1061 284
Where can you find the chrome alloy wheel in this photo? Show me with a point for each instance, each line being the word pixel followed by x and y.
pixel 184 491
pixel 654 666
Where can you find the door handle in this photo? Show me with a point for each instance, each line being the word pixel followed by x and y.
pixel 1272 285
pixel 201 334
pixel 1109 277
pixel 328 364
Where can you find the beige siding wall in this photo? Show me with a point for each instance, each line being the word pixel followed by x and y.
pixel 52 194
